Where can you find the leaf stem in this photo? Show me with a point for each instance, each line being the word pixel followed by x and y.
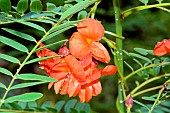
pixel 157 99
pixel 139 8
pixel 147 90
pixel 148 81
pixel 143 68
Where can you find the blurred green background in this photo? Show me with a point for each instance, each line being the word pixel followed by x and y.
pixel 142 30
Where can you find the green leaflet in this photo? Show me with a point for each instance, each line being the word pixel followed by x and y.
pixel 56 33
pixel 5 71
pixel 35 77
pixel 144 1
pixel 22 6
pixel 33 26
pixel 20 34
pixel 13 44
pixel 139 56
pixel 49 45
pixel 23 85
pixel 64 25
pixel 27 97
pixel 36 6
pixel 2 85
pixel 9 58
pixel 76 8
pixel 40 59
pixel 69 104
pixel 5 6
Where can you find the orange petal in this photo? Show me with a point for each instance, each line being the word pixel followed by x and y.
pixel 77 90
pixel 100 52
pixel 89 91
pixel 91 29
pixel 58 75
pixel 109 70
pixel 75 67
pixel 82 95
pixel 97 88
pixel 94 76
pixel 160 49
pixel 167 44
pixel 50 85
pixel 57 86
pixel 86 61
pixel 64 89
pixel 78 46
pixel 73 85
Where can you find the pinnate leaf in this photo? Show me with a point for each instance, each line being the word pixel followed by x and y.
pixel 59 105
pixel 50 6
pixel 9 58
pixel 76 8
pixel 144 1
pixel 35 77
pixel 139 56
pixel 5 71
pixel 64 25
pixel 13 44
pixel 20 34
pixel 36 6
pixel 56 33
pixel 27 97
pixel 23 85
pixel 69 104
pixel 22 6
pixel 33 26
pixel 40 59
pixel 2 85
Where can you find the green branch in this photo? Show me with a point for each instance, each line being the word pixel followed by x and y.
pixel 143 68
pixel 147 82
pixel 146 90
pixel 139 8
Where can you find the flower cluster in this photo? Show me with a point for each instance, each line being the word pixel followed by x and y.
pixel 76 71
pixel 161 48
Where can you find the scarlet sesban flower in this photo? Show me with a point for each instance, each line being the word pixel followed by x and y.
pixel 76 71
pixel 85 41
pixel 161 48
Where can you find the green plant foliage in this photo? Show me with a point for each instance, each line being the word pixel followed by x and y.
pixel 9 58
pixel 20 34
pixel 82 15
pixel 24 97
pixel 5 71
pixel 40 59
pixel 74 9
pixel 22 6
pixel 2 85
pixel 36 6
pixel 144 1
pixel 33 25
pixel 5 6
pixel 13 44
pixel 35 77
pixel 23 85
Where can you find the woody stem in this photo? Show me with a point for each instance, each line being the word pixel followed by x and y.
pixel 119 58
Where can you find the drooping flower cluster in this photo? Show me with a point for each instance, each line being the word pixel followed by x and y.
pixel 76 71
pixel 161 48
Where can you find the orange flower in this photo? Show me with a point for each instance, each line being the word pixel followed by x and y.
pixel 80 46
pixel 161 48
pixel 91 29
pixel 85 41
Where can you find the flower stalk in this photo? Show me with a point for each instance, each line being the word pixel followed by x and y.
pixel 119 57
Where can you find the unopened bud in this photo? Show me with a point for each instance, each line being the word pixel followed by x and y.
pixel 129 102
